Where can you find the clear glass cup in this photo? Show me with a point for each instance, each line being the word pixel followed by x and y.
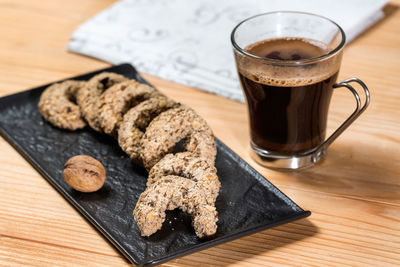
pixel 288 90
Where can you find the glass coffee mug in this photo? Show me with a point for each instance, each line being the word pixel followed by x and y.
pixel 287 64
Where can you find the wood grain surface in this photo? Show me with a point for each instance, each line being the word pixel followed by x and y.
pixel 354 193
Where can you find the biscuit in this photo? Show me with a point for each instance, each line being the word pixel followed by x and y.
pixel 135 122
pixel 187 165
pixel 168 193
pixel 57 105
pixel 171 126
pixel 118 99
pixel 88 97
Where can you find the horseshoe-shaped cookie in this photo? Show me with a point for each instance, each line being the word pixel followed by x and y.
pixel 186 165
pixel 171 126
pixel 118 99
pixel 172 192
pixel 135 122
pixel 88 97
pixel 57 105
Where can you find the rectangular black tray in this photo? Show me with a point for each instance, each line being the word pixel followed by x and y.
pixel 247 202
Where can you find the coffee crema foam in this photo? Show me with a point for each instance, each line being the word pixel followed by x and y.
pixel 266 79
pixel 285 49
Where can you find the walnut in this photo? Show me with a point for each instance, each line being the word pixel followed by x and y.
pixel 84 173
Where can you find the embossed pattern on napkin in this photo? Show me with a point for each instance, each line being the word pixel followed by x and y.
pixel 189 41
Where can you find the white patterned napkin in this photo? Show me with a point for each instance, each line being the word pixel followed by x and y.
pixel 189 41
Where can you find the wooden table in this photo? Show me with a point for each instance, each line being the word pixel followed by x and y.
pixel 354 194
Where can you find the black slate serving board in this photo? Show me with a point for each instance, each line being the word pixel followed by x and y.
pixel 247 202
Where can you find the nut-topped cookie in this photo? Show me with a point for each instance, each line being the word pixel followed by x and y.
pixel 88 97
pixel 57 105
pixel 173 125
pixel 118 99
pixel 135 122
pixel 169 193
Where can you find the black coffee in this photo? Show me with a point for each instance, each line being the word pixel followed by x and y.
pixel 287 117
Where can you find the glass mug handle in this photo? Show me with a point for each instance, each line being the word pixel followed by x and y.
pixel 321 150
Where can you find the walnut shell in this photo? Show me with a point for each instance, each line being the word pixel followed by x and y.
pixel 84 173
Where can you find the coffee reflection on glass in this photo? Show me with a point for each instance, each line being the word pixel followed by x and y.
pixel 288 63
